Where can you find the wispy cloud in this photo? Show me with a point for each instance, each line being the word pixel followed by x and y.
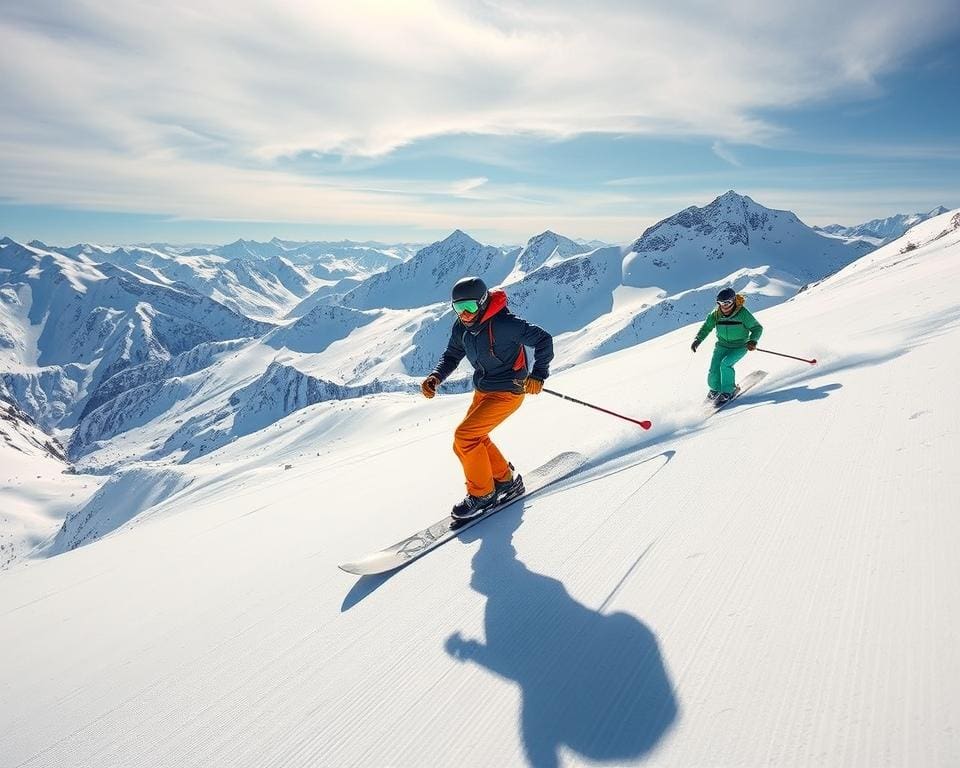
pixel 464 186
pixel 724 153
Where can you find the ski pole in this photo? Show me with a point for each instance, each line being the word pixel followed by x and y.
pixel 792 357
pixel 645 424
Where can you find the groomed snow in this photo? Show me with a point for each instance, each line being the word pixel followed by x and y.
pixel 776 586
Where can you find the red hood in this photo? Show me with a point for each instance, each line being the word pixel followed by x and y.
pixel 498 300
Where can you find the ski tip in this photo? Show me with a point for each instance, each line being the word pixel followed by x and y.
pixel 368 566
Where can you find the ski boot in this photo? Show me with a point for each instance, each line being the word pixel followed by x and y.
pixel 509 489
pixel 725 397
pixel 473 506
pixel 712 395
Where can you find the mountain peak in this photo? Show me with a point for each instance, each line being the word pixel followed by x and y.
pixel 733 230
pixel 731 196
pixel 458 236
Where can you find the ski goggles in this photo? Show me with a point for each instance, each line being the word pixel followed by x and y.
pixel 727 303
pixel 471 306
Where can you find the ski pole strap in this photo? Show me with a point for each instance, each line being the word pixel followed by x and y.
pixel 645 424
pixel 792 357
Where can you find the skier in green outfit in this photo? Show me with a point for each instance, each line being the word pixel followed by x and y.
pixel 737 333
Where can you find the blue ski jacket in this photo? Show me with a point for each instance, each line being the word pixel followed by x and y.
pixel 495 347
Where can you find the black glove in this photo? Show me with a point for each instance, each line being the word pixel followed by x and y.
pixel 696 343
pixel 751 345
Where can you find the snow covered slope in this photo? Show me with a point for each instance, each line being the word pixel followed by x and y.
pixel 36 488
pixel 777 585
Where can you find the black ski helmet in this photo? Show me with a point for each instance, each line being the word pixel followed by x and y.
pixel 727 294
pixel 470 288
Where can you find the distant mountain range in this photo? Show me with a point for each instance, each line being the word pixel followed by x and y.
pixel 259 280
pixel 881 231
pixel 182 350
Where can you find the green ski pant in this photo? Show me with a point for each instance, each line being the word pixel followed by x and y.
pixel 722 377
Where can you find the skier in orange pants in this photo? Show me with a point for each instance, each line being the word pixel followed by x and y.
pixel 493 340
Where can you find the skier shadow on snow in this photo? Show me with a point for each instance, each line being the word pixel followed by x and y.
pixel 592 682
pixel 802 394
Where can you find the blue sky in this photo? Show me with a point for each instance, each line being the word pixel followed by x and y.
pixel 206 121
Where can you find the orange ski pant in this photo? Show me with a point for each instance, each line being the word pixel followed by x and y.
pixel 481 459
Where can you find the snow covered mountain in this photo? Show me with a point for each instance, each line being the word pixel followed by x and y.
pixel 261 288
pixel 264 281
pixel 346 345
pixel 702 245
pixel 881 231
pixel 427 277
pixel 568 294
pixel 543 248
pixel 75 323
pixel 668 277
pixel 19 432
pixel 773 585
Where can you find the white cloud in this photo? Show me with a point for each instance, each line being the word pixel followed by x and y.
pixel 153 104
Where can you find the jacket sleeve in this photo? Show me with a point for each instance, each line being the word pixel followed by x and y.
pixel 542 342
pixel 754 327
pixel 708 325
pixel 452 356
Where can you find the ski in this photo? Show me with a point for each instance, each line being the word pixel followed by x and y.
pixel 559 467
pixel 749 382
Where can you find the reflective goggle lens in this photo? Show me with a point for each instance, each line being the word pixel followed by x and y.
pixel 726 303
pixel 469 305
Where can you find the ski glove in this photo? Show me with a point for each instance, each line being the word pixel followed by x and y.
pixel 532 386
pixel 693 347
pixel 429 386
pixel 751 345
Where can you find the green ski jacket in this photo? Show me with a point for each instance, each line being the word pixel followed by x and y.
pixel 734 330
